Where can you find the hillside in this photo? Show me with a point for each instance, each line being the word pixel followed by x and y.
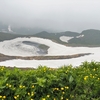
pixel 8 36
pixel 88 37
pixel 55 36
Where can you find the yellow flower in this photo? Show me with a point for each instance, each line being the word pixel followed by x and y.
pixel 32 94
pixel 93 76
pixel 61 98
pixel 66 87
pixel 62 88
pixel 63 92
pixel 2 69
pixel 9 85
pixel 66 99
pixel 0 96
pixel 55 89
pixel 85 78
pixel 15 97
pixel 94 69
pixel 32 99
pixel 28 93
pixel 32 86
pixel 23 86
pixel 4 97
pixel 54 99
pixel 20 86
pixel 43 99
pixel 48 96
pixel 71 96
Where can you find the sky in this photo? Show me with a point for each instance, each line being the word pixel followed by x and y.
pixel 58 15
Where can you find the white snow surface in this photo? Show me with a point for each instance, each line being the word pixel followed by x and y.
pixel 80 36
pixel 65 38
pixel 9 48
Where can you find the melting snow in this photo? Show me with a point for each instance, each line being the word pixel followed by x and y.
pixel 15 47
pixel 65 38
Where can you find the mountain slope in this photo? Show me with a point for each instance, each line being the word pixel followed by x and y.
pixel 8 36
pixel 90 37
pixel 56 36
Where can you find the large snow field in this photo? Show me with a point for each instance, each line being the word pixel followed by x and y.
pixel 15 47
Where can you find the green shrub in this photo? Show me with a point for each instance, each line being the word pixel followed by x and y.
pixel 43 83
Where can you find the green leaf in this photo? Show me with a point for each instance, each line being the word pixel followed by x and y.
pixel 71 79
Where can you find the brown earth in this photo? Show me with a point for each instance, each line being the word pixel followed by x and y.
pixel 6 57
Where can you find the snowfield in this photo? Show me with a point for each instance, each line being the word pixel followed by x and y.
pixel 15 47
pixel 65 38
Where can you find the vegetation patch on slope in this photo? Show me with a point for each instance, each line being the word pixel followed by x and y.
pixel 43 83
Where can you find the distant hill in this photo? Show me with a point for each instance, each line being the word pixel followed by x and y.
pixel 8 36
pixel 90 37
pixel 55 36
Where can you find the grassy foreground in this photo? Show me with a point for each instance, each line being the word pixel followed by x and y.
pixel 43 83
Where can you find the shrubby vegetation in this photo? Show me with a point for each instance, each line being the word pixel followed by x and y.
pixel 43 83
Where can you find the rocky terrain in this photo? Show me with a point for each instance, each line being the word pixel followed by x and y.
pixel 6 57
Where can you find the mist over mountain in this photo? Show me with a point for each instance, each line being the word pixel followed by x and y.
pixel 50 15
pixel 22 30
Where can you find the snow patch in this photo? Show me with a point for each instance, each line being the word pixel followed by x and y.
pixel 65 38
pixel 80 36
pixel 9 29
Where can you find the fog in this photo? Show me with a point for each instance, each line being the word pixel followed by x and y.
pixel 59 15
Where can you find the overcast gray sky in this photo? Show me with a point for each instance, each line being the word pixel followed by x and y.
pixel 61 15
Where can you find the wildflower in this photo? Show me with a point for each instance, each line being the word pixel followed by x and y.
pixel 9 86
pixel 43 99
pixel 2 69
pixel 93 76
pixel 71 96
pixel 0 96
pixel 48 96
pixel 32 86
pixel 85 78
pixel 32 94
pixel 61 98
pixel 66 87
pixel 63 92
pixel 62 88
pixel 4 97
pixel 94 69
pixel 54 99
pixel 15 97
pixel 55 89
pixel 21 86
pixel 28 93
pixel 66 99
